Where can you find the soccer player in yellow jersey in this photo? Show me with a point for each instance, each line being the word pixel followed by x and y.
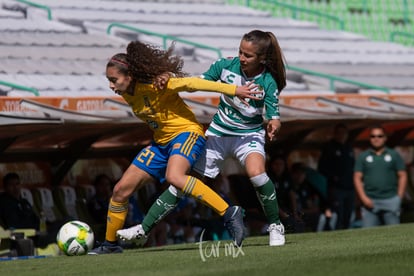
pixel 237 130
pixel 178 137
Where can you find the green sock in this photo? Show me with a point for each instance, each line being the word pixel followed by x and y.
pixel 267 197
pixel 164 204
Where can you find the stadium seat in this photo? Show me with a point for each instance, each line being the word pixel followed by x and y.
pixel 27 194
pixel 74 205
pixel 45 203
pixel 66 201
pixel 85 191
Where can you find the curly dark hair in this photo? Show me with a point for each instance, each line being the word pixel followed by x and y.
pixel 147 61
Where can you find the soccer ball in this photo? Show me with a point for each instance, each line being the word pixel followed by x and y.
pixel 75 238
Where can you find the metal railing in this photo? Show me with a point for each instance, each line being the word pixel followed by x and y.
pixel 40 6
pixel 296 9
pixel 399 33
pixel 20 87
pixel 332 79
pixel 165 38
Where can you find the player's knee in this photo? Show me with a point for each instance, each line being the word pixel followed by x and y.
pixel 120 194
pixel 259 180
pixel 176 180
pixel 174 191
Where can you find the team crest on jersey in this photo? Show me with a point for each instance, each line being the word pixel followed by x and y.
pixel 230 78
pixel 387 158
pixel 259 89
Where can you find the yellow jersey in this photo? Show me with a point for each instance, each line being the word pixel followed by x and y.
pixel 165 111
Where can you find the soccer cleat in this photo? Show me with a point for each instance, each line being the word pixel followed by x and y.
pixel 106 248
pixel 134 233
pixel 276 234
pixel 233 221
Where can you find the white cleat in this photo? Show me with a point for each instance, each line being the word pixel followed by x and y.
pixel 276 234
pixel 134 233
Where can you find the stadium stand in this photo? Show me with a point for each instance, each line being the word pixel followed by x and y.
pixel 66 55
pixel 51 56
pixel 83 25
pixel 377 19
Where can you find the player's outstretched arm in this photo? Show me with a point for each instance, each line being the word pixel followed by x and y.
pixel 193 84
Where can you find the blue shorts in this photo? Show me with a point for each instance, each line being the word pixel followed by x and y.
pixel 154 158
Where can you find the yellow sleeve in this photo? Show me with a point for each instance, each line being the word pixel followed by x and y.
pixel 194 84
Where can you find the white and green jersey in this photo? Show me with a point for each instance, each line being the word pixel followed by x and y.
pixel 234 118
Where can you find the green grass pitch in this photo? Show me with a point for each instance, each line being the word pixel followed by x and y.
pixel 387 250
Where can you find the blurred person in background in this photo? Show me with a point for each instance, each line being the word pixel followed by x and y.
pixel 310 199
pixel 380 180
pixel 98 204
pixel 288 210
pixel 336 163
pixel 16 211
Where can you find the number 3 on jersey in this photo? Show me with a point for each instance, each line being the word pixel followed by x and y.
pixel 146 156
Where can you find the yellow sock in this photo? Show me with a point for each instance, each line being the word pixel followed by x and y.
pixel 197 189
pixel 117 213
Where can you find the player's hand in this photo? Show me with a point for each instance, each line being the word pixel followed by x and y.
pixel 367 202
pixel 273 127
pixel 248 91
pixel 160 81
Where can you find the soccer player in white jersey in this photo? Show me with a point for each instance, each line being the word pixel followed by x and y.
pixel 237 129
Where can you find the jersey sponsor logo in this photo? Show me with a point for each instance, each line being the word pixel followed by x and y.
pixel 228 76
pixel 230 113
